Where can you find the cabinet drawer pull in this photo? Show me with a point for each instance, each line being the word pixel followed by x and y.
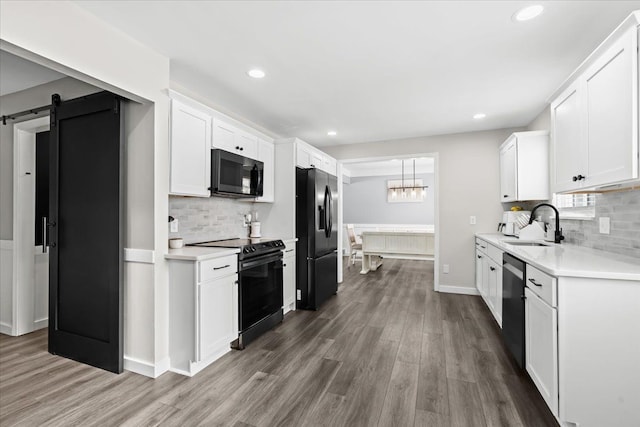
pixel 505 196
pixel 483 247
pixel 479 256
pixel 220 268
pixel 289 250
pixel 535 283
pixel 492 268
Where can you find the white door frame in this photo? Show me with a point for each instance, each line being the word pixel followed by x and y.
pixel 436 198
pixel 23 310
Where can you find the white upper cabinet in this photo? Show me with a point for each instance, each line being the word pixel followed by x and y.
pixel 611 102
pixel 594 120
pixel 566 126
pixel 266 153
pixel 190 145
pixel 524 167
pixel 310 157
pixel 508 171
pixel 229 138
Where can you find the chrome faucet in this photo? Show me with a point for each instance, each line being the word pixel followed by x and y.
pixel 558 237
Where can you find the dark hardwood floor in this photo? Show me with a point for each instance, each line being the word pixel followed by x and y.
pixel 386 351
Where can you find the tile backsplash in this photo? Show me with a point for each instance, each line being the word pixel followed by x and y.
pixel 212 218
pixel 623 209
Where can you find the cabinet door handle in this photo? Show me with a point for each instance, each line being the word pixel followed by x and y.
pixel 535 283
pixel 581 177
pixel 574 178
pixel 237 147
pixel 289 250
pixel 492 268
pixel 284 265
pixel 505 196
pixel 483 247
pixel 479 256
pixel 220 268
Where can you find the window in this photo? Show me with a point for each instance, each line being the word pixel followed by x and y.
pixel 576 206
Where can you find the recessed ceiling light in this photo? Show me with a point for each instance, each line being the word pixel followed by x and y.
pixel 479 116
pixel 256 73
pixel 528 13
pixel 332 133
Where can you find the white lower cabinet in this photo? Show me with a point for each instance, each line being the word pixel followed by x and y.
pixel 203 311
pixel 494 289
pixel 289 277
pixel 489 277
pixel 217 315
pixel 541 347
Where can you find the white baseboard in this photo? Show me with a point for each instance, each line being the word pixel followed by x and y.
pixel 411 257
pixel 464 290
pixel 147 369
pixel 6 329
pixel 144 256
pixel 41 323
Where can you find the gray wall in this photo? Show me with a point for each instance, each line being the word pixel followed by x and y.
pixel 213 218
pixel 365 202
pixel 19 101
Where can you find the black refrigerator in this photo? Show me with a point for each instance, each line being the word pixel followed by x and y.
pixel 316 230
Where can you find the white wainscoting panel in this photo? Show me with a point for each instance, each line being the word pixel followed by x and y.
pixel 6 286
pixel 144 256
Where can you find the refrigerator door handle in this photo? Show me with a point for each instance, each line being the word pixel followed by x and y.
pixel 327 212
pixel 330 210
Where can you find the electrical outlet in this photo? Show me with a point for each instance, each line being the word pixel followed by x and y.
pixel 605 225
pixel 298 294
pixel 445 268
pixel 472 220
pixel 173 226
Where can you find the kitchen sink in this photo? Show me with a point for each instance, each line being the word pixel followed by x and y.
pixel 526 244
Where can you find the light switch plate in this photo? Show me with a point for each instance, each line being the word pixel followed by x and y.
pixel 173 226
pixel 605 225
pixel 445 268
pixel 472 220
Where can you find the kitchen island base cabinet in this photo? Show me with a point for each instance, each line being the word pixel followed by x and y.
pixel 203 312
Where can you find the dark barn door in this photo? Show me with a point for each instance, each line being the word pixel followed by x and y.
pixel 85 229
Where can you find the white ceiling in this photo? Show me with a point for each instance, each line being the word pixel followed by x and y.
pixel 369 70
pixel 389 167
pixel 17 74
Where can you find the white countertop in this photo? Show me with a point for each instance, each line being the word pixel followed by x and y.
pixel 569 260
pixel 196 253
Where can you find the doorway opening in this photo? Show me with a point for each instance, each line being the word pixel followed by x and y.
pixel 390 208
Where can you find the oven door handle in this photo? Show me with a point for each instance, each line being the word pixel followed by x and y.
pixel 262 260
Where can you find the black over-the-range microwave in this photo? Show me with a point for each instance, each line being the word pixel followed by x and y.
pixel 235 176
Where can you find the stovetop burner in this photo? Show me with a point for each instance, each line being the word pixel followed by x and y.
pixel 248 247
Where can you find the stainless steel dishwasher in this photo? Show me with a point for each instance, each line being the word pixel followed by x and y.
pixel 513 274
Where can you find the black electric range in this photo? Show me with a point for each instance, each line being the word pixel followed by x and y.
pixel 259 285
pixel 249 248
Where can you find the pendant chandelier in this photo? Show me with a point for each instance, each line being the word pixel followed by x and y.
pixel 410 189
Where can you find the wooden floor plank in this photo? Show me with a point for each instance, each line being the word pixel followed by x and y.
pixel 465 406
pixel 432 381
pixel 400 403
